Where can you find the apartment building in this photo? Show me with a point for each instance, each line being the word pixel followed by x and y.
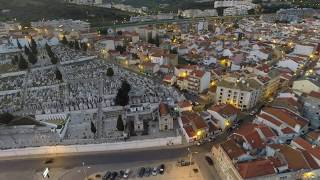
pixel 198 81
pixel 243 94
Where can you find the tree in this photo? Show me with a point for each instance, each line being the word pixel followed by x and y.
pixel 122 97
pixel 26 50
pixel 22 64
pixel 6 118
pixel 64 40
pixel 18 44
pixel 110 72
pixel 32 58
pixel 119 33
pixel 15 60
pixel 121 49
pixel 54 60
pixel 33 46
pixel 120 125
pixel 84 46
pixel 49 50
pixel 93 128
pixel 58 75
pixel 76 45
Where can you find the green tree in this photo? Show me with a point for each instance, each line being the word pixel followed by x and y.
pixel 15 60
pixel 122 98
pixel 18 44
pixel 76 45
pixel 33 46
pixel 121 49
pixel 32 58
pixel 120 125
pixel 54 60
pixel 58 75
pixel 22 64
pixel 110 72
pixel 26 50
pixel 64 40
pixel 49 50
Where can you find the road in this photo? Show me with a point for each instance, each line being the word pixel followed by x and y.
pixel 26 168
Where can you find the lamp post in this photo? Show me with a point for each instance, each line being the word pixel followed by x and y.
pixel 84 170
pixel 190 159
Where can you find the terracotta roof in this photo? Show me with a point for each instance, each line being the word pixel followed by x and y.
pixel 225 109
pixel 314 151
pixel 189 130
pixel 312 163
pixel 167 78
pixel 287 130
pixel 270 119
pixel 277 162
pixel 315 94
pixel 198 73
pixel 313 135
pixel 260 167
pixel 184 103
pixel 294 158
pixel 163 109
pixel 267 132
pixel 232 149
pixel 286 116
pixel 194 119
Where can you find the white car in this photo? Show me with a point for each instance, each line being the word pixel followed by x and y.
pixel 126 173
pixel 155 171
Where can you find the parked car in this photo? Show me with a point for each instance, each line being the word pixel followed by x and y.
pixel 183 163
pixel 142 171
pixel 126 173
pixel 155 171
pixel 148 172
pixel 114 175
pixel 161 168
pixel 106 176
pixel 209 160
pixel 121 173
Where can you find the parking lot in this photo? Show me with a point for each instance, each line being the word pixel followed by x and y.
pixel 171 171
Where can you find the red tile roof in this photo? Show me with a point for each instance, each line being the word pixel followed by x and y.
pixel 184 104
pixel 163 109
pixel 270 119
pixel 194 119
pixel 315 94
pixel 189 130
pixel 232 149
pixel 251 169
pixel 286 116
pixel 294 158
pixel 225 109
pixel 314 151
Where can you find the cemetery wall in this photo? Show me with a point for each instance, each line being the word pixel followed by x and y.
pixel 51 150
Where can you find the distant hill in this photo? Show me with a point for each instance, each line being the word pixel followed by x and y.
pixel 32 10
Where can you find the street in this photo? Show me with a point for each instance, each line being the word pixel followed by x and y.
pixel 27 168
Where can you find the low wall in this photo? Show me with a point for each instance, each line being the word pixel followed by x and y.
pixel 50 150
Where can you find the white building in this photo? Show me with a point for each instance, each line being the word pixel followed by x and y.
pixel 198 81
pixel 243 94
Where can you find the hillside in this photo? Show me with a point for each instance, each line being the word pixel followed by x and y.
pixel 32 10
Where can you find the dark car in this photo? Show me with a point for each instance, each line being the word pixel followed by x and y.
pixel 121 173
pixel 114 175
pixel 209 160
pixel 48 161
pixel 107 175
pixel 148 172
pixel 161 168
pixel 142 171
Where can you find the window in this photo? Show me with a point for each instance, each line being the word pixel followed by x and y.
pixel 221 94
pixel 221 89
pixel 241 97
pixel 229 95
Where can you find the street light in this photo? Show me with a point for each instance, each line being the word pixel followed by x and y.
pixel 190 159
pixel 84 170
